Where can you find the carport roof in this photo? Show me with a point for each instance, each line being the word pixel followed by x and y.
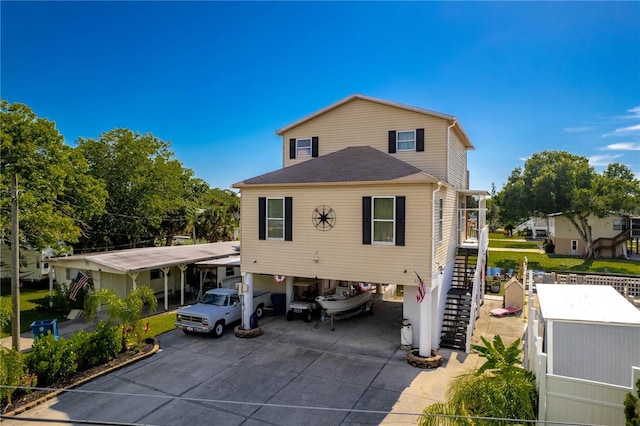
pixel 142 259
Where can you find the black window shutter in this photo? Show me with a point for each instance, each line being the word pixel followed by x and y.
pixel 392 141
pixel 288 219
pixel 292 148
pixel 366 220
pixel 400 213
pixel 262 217
pixel 419 139
pixel 314 146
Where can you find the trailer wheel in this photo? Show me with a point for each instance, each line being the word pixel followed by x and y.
pixel 290 315
pixel 371 309
pixel 259 311
pixel 218 329
pixel 307 316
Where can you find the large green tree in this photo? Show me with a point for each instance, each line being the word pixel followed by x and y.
pixel 57 197
pixel 560 182
pixel 146 186
pixel 219 215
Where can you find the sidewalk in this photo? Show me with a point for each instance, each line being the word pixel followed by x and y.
pixel 430 386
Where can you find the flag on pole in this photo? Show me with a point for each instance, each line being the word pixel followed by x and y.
pixel 81 281
pixel 421 289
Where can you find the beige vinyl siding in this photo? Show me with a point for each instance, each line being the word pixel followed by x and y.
pixel 446 249
pixel 364 123
pixel 342 256
pixel 457 162
pixel 564 232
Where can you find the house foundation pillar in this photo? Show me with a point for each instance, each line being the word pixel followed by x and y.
pixel 247 300
pixel 425 325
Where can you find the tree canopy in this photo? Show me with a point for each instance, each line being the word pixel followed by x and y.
pixel 148 188
pixel 57 197
pixel 560 182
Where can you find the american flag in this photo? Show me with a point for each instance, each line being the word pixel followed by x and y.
pixel 421 289
pixel 81 281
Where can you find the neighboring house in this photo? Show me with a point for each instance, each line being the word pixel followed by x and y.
pixel 164 269
pixel 610 235
pixel 539 227
pixel 371 192
pixel 582 344
pixel 34 264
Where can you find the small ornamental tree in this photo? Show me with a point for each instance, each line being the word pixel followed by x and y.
pixel 127 311
pixel 500 388
pixel 632 407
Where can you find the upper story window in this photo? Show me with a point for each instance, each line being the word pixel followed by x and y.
pixel 275 218
pixel 406 140
pixel 383 220
pixel 618 225
pixel 303 147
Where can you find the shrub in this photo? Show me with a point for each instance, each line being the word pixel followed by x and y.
pixel 12 368
pixel 548 246
pixel 95 348
pixel 61 300
pixel 52 359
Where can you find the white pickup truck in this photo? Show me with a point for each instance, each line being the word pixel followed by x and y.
pixel 218 308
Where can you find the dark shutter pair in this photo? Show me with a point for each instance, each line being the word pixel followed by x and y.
pixel 419 141
pixel 367 220
pixel 288 218
pixel 292 147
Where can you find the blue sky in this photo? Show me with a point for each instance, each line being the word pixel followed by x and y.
pixel 218 78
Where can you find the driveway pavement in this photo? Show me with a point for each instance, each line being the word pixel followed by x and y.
pixel 295 373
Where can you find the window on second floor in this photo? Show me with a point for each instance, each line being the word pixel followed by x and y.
pixel 383 220
pixel 406 140
pixel 275 218
pixel 618 225
pixel 303 148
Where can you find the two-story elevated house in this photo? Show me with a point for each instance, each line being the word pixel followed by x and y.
pixel 372 192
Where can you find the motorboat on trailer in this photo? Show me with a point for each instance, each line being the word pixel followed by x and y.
pixel 345 300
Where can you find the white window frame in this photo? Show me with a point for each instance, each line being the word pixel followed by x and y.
pixel 374 221
pixel 617 224
pixel 269 218
pixel 574 246
pixel 303 151
pixel 398 141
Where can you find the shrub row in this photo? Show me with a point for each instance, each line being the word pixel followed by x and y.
pixel 51 360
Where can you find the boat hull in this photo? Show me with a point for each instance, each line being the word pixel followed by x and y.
pixel 336 304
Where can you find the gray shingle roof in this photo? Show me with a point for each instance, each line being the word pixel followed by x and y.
pixel 353 164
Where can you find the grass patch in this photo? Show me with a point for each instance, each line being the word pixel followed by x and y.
pixel 505 243
pixel 160 323
pixel 32 301
pixel 548 263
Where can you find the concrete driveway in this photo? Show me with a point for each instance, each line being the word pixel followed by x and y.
pixel 295 373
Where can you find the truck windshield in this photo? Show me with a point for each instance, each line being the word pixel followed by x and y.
pixel 214 299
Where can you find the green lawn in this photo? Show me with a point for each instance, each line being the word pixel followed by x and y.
pixel 160 323
pixel 546 262
pixel 30 298
pixel 510 243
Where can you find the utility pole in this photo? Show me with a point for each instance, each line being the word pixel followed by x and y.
pixel 15 265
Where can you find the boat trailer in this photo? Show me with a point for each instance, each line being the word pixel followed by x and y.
pixel 365 307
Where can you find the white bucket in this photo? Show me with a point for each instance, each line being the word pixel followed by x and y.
pixel 406 336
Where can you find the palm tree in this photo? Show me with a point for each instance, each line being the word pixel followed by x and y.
pixel 127 311
pixel 500 389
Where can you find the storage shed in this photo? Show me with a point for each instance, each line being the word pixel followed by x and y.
pixel 591 332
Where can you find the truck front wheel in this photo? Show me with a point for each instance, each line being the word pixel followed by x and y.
pixel 259 311
pixel 218 329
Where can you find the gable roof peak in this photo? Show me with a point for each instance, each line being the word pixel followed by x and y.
pixel 356 96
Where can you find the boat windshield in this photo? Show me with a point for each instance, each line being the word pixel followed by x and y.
pixel 215 299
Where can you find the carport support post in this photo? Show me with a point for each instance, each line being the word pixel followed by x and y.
pixel 247 299
pixel 51 274
pixel 289 290
pixel 425 325
pixel 183 268
pixel 165 272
